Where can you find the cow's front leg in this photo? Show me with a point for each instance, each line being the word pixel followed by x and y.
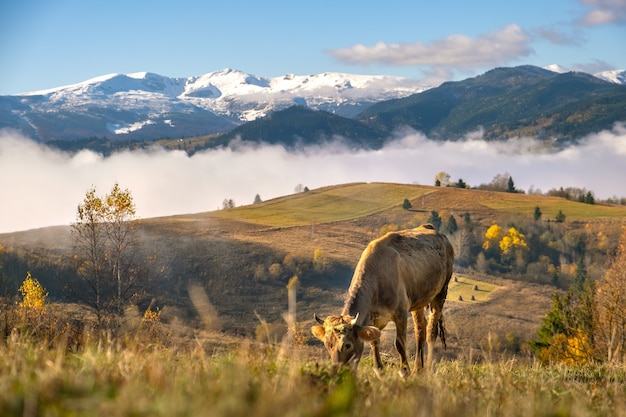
pixel 375 346
pixel 401 322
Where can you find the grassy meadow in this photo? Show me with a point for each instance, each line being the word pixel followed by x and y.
pixel 328 204
pixel 470 290
pixel 175 364
pixel 134 378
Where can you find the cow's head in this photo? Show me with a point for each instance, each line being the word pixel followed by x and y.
pixel 343 338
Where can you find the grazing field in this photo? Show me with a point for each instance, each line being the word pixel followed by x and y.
pixel 244 259
pixel 351 201
pixel 109 378
pixel 466 288
pixel 327 204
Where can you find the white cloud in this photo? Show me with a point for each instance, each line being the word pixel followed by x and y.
pixel 603 12
pixel 455 51
pixel 560 38
pixel 43 187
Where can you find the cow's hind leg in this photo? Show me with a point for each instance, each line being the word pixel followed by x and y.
pixel 419 324
pixel 435 325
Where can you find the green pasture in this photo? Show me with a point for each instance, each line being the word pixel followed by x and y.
pixel 550 206
pixel 326 204
pixel 350 201
pixel 466 288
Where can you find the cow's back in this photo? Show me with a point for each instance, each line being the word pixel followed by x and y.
pixel 425 259
pixel 400 270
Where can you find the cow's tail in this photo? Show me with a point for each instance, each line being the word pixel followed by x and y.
pixel 442 332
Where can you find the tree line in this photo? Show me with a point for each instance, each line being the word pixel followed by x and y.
pixel 505 183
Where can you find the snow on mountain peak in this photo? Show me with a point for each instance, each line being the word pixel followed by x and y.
pixel 141 101
pixel 556 68
pixel 614 76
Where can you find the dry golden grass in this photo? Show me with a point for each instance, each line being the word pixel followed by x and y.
pixel 221 248
pixel 106 378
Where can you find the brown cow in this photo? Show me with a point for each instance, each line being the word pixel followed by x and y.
pixel 402 271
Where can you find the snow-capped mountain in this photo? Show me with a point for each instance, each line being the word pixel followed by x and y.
pixel 148 106
pixel 613 76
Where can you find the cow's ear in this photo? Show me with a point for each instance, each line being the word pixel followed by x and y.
pixel 368 333
pixel 319 332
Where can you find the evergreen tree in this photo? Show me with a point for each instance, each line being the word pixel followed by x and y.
pixel 451 225
pixel 406 204
pixel 581 275
pixel 510 186
pixel 435 220
pixel 537 213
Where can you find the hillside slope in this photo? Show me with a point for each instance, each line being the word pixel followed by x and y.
pixel 244 257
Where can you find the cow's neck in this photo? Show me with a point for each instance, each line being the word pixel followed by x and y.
pixel 359 298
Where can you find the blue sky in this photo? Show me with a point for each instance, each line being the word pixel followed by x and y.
pixel 46 44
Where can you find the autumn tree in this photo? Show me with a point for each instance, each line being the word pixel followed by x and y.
pixel 562 337
pixel 466 242
pixel 33 295
pixel 103 239
pixel 500 182
pixel 119 215
pixel 321 261
pixel 512 240
pixel 442 179
pixel 89 235
pixel 510 246
pixel 567 334
pixel 493 235
pixel 610 313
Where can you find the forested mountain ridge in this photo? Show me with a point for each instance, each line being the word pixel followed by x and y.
pixel 503 103
pixel 508 102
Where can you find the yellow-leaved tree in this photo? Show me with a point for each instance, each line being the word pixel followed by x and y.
pixel 512 240
pixel 610 314
pixel 119 214
pixel 493 236
pixel 33 295
pixel 104 242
